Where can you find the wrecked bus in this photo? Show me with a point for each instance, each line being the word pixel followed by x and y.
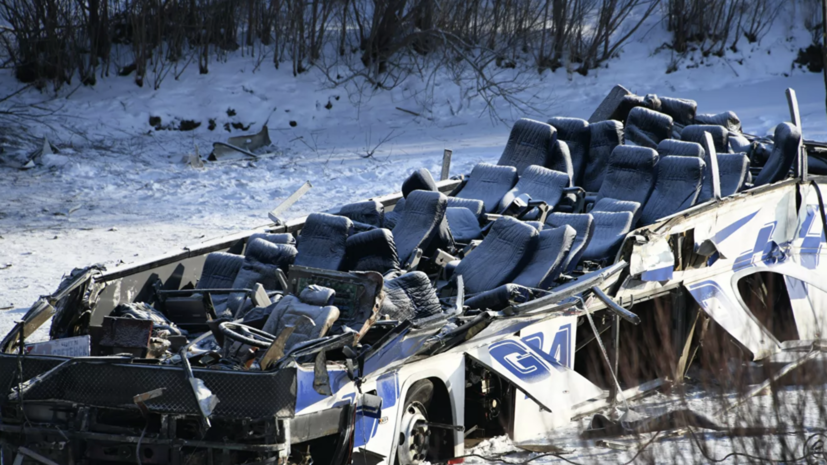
pixel 401 329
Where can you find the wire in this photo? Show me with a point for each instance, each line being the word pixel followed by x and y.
pixel 809 451
pixel 138 446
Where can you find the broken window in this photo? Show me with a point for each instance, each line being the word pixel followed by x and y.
pixel 765 295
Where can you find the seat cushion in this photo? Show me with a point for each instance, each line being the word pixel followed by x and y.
pixel 508 244
pixel 530 143
pixel 410 296
pixel 677 188
pixel 373 250
pixel 541 184
pixel 610 228
pixel 422 225
pixel 784 152
pixel 421 180
pixel 679 147
pixel 583 224
pixel 220 270
pixel 646 128
pixel 489 183
pixel 369 212
pixel 695 133
pixel 465 226
pixel 323 241
pixel 605 136
pixel 575 132
pixel 500 297
pixel 546 262
pixel 631 174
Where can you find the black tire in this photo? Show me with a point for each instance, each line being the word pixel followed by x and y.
pixel 420 394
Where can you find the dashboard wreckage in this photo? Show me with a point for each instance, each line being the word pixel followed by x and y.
pixel 400 329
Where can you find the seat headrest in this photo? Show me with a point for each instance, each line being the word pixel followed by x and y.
pixel 283 238
pixel 681 110
pixel 477 207
pixel 605 136
pixel 420 179
pixel 220 270
pixel 727 119
pixel 679 147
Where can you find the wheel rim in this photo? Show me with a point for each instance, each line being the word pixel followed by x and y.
pixel 414 435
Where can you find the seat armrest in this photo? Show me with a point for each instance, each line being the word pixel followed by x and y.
pixel 588 202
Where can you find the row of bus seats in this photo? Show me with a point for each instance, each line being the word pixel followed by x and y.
pixel 598 181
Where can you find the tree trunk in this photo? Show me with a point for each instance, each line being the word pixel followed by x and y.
pixel 824 44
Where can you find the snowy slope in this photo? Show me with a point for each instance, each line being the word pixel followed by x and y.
pixel 137 198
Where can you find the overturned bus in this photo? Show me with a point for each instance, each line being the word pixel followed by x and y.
pixel 401 329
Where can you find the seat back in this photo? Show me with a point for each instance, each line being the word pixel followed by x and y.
pixel 605 136
pixel 646 128
pixel 583 224
pixel 540 184
pixel 677 187
pixel 631 174
pixel 323 241
pixel 681 110
pixel 422 224
pixel 530 143
pixel 409 297
pixel 576 134
pixel 261 260
pixel 610 228
pixel 784 152
pixel 695 133
pixel 464 225
pixel 733 170
pixel 419 180
pixel 373 250
pixel 220 270
pixel 499 257
pixel 546 262
pixel 369 212
pixel 391 217
pixel 291 311
pixel 489 183
pixel 477 207
pixel 679 147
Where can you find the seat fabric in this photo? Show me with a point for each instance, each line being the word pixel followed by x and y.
pixel 610 228
pixel 677 187
pixel 739 144
pixel 322 241
pixel 576 134
pixel 583 224
pixel 695 133
pixel 540 184
pixel 291 311
pixel 681 110
pixel 561 159
pixel 546 262
pixel 784 152
pixel 683 148
pixel 369 212
pixel 489 183
pixel 422 225
pixel 607 204
pixel 605 136
pixel 727 119
pixel 410 296
pixel 530 143
pixel 499 257
pixel 631 174
pixel 373 250
pixel 282 238
pixel 419 180
pixel 646 128
pixel 465 226
pixel 500 297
